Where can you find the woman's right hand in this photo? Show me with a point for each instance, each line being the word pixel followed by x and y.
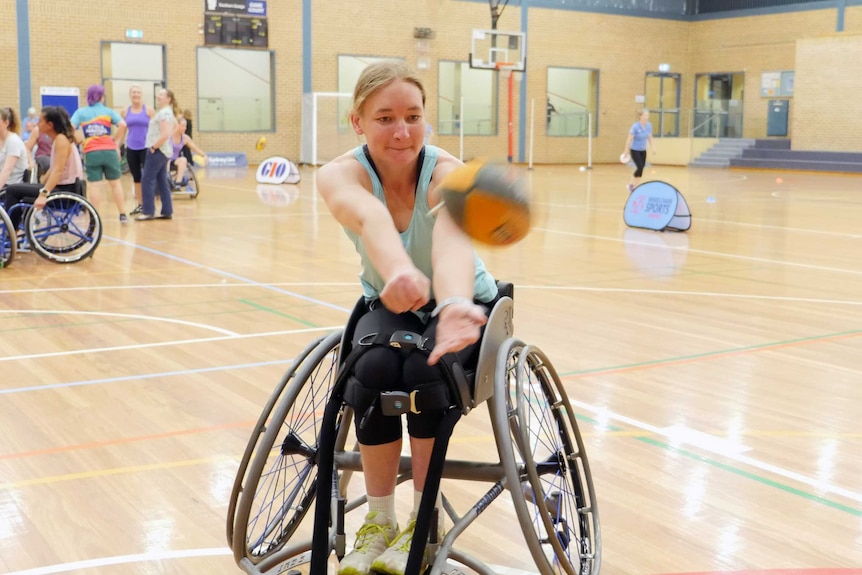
pixel 406 291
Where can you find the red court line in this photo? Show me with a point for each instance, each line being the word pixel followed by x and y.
pixel 813 571
pixel 120 441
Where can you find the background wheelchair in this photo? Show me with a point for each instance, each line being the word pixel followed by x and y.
pixel 541 462
pixel 189 186
pixel 67 230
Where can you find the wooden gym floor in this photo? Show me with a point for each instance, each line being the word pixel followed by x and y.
pixel 716 373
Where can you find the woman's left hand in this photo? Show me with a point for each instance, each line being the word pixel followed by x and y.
pixel 459 326
pixel 40 202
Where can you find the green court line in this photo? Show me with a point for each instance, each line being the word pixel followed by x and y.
pixel 276 312
pixel 730 468
pixel 712 353
pixel 753 476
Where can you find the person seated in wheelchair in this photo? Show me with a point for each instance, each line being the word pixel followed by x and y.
pixel 13 151
pixel 38 145
pixel 65 174
pixel 179 163
pixel 382 193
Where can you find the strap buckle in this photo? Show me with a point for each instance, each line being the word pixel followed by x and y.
pixel 403 339
pixel 398 402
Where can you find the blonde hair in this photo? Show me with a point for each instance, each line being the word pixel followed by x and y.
pixel 379 75
pixel 174 106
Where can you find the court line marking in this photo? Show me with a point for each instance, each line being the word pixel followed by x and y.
pixel 231 275
pixel 693 293
pixel 524 286
pixel 703 252
pixel 125 559
pixel 604 414
pixel 164 344
pixel 125 440
pixel 693 440
pixel 179 554
pixel 174 286
pixel 123 315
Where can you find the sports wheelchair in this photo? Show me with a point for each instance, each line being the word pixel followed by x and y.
pixel 541 461
pixel 189 185
pixel 67 230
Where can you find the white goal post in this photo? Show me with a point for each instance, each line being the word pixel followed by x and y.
pixel 326 130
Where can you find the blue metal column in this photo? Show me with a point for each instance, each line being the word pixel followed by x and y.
pixel 839 24
pixel 25 89
pixel 522 113
pixel 306 46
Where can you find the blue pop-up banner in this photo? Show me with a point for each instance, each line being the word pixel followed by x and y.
pixel 657 205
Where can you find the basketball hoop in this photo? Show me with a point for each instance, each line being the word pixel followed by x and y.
pixel 505 68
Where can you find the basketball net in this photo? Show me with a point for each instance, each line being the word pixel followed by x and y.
pixel 505 69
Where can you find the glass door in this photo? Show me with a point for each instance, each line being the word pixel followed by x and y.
pixel 718 105
pixel 662 101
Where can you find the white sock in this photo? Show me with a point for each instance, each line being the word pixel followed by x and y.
pixel 385 508
pixel 417 499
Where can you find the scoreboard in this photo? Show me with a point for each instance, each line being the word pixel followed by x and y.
pixel 235 30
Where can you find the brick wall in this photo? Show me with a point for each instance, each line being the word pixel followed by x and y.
pixel 67 38
pixel 825 107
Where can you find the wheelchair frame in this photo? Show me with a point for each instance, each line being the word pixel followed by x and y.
pixel 552 492
pixel 191 188
pixel 67 230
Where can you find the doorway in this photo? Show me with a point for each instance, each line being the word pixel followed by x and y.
pixel 718 106
pixel 662 101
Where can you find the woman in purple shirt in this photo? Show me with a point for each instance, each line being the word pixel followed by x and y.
pixel 137 117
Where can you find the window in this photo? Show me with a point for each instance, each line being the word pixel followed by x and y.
pixel 235 90
pixel 125 64
pixel 573 95
pixel 478 88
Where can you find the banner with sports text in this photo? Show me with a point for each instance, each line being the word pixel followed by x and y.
pixel 657 205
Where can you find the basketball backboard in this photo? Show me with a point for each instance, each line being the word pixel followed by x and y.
pixel 490 47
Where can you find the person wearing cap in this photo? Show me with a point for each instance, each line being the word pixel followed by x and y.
pixel 94 125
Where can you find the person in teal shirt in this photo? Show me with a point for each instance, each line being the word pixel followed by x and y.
pixel 419 274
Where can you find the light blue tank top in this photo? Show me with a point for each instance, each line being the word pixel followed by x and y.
pixel 417 237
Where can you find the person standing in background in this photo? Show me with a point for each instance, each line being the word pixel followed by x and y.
pixel 30 123
pixel 640 134
pixel 137 117
pixel 159 149
pixel 93 126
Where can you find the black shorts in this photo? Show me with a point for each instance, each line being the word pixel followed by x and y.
pixel 391 369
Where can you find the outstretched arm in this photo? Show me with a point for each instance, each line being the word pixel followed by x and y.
pixel 454 265
pixel 193 147
pixel 354 207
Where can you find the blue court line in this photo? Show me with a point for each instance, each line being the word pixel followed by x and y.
pixel 230 275
pixel 143 376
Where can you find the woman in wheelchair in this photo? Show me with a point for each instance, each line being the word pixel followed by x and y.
pixel 13 152
pixel 382 193
pixel 179 162
pixel 65 170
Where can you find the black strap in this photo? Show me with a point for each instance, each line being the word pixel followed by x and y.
pixel 429 491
